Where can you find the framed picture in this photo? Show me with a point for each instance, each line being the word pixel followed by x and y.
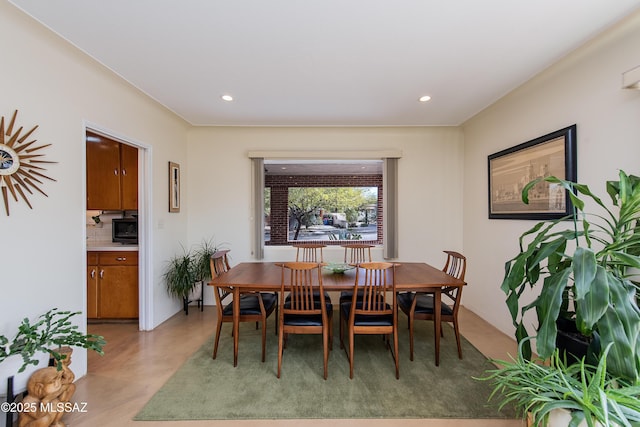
pixel 174 187
pixel 511 169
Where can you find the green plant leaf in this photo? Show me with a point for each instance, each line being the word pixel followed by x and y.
pixel 594 304
pixel 548 307
pixel 584 271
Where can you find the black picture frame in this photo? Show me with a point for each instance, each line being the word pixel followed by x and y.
pixel 511 169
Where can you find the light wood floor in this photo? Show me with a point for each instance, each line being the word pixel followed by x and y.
pixel 136 364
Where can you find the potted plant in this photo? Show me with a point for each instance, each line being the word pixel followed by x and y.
pixel 557 393
pixel 41 340
pixel 583 274
pixel 185 273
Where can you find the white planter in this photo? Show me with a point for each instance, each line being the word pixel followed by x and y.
pixel 562 418
pixel 196 292
pixel 9 367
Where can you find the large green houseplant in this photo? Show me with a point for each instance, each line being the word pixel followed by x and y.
pixel 583 274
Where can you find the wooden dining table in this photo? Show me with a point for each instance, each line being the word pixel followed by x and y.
pixel 267 276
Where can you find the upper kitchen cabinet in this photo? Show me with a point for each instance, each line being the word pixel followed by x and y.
pixel 112 174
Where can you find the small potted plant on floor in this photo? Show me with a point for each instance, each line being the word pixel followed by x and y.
pixel 185 273
pixel 40 341
pixel 583 276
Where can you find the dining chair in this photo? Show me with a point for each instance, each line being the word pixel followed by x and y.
pixel 372 313
pixel 305 311
pixel 354 253
pixel 309 252
pixel 254 306
pixel 419 305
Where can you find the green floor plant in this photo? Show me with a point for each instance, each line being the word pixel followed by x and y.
pixel 582 270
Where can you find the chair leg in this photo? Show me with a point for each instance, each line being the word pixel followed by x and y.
pixel 395 353
pixel 325 349
pixel 457 331
pixel 351 341
pixel 264 339
pixel 330 331
pixel 215 346
pixel 280 349
pixel 411 325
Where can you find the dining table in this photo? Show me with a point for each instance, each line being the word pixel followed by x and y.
pixel 267 276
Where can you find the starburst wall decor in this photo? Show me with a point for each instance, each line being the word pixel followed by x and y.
pixel 21 164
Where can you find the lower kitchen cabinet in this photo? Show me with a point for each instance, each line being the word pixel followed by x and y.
pixel 112 284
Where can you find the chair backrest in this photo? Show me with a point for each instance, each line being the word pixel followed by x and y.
pixel 456 266
pixel 309 252
pixel 220 264
pixel 378 283
pixel 302 280
pixel 356 253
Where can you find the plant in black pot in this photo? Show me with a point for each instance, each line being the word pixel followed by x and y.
pixel 582 271
pixel 584 276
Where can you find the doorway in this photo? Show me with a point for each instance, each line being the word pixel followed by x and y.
pixel 142 214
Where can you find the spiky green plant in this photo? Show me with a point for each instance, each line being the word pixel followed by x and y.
pixel 51 331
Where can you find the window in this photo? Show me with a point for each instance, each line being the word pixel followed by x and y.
pixel 274 181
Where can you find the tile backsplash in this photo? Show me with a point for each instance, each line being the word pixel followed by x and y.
pixel 101 232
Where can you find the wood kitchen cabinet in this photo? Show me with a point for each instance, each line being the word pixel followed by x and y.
pixel 112 174
pixel 112 284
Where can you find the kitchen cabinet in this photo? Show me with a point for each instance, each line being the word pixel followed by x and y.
pixel 112 284
pixel 112 174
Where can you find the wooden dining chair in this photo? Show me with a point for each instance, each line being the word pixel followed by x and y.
pixel 354 253
pixel 309 252
pixel 305 311
pixel 419 305
pixel 372 313
pixel 254 306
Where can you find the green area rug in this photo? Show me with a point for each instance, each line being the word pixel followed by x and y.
pixel 207 389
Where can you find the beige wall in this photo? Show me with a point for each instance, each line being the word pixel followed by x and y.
pixel 585 89
pixel 53 85
pixel 430 183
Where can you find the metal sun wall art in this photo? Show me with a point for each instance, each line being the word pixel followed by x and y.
pixel 21 164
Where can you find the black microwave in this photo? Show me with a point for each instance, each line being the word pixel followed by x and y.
pixel 125 230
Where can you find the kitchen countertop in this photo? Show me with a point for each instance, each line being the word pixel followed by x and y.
pixel 109 246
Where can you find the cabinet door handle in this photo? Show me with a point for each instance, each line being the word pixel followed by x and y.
pixel 115 172
pixel 93 273
pixel 121 258
pixel 124 172
pixel 101 274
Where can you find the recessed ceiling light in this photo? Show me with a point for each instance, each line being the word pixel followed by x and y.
pixel 227 98
pixel 424 98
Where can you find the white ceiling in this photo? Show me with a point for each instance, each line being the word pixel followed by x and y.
pixel 329 62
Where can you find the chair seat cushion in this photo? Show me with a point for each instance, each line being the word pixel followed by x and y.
pixel 316 295
pixel 287 305
pixel 365 319
pixel 424 305
pixel 346 296
pixel 303 320
pixel 249 304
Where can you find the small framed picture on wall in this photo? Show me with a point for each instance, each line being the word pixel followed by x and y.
pixel 174 187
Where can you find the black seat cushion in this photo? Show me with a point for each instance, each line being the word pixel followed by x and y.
pixel 306 319
pixel 346 296
pixel 424 305
pixel 249 304
pixel 367 320
pixel 316 295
